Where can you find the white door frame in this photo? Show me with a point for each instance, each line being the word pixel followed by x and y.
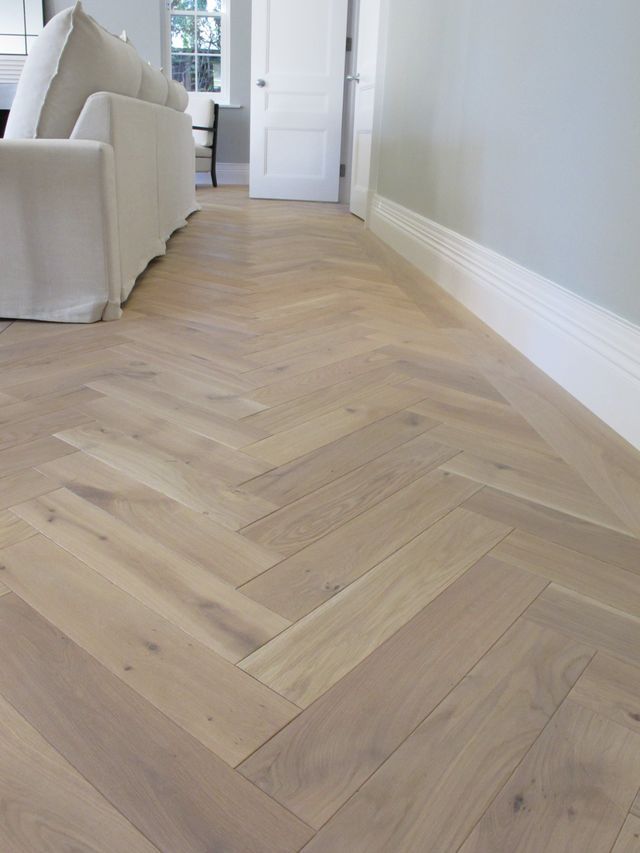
pixel 368 66
pixel 346 155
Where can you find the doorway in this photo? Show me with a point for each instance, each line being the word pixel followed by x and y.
pixel 297 63
pixel 312 101
pixel 363 79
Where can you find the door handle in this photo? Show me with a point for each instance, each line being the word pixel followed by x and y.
pixel 354 78
pixel 260 83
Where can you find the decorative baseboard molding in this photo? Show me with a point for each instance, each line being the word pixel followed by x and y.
pixel 589 351
pixel 228 173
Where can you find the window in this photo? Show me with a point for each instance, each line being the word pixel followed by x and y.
pixel 199 45
pixel 20 23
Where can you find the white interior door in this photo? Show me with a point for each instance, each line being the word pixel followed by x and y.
pixel 297 62
pixel 365 81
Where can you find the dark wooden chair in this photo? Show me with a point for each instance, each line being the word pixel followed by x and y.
pixel 4 117
pixel 213 147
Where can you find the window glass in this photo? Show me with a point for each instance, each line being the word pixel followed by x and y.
pixel 210 5
pixel 198 45
pixel 183 34
pixel 209 35
pixel 21 21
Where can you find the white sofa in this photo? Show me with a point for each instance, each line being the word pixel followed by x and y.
pixel 96 172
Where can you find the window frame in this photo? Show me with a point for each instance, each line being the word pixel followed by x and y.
pixel 224 95
pixel 32 24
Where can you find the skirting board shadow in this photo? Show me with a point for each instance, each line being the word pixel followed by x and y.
pixel 589 351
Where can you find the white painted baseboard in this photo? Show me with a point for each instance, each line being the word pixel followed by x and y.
pixel 228 173
pixel 589 351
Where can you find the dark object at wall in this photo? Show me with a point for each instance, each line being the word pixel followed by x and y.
pixel 214 143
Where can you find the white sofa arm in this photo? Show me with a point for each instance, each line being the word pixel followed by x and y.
pixel 154 163
pixel 58 231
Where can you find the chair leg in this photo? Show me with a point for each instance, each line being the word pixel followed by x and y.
pixel 214 145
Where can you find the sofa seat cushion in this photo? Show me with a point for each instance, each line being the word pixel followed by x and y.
pixel 203 151
pixel 73 58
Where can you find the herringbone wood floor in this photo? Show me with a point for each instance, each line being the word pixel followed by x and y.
pixel 299 555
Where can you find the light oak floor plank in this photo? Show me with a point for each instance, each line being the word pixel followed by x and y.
pixel 193 486
pixel 230 556
pixel 590 539
pixel 447 772
pixel 563 491
pixel 614 473
pixel 223 463
pixel 191 367
pixel 304 661
pixel 299 440
pixel 286 462
pixel 24 456
pixel 179 795
pixel 47 805
pixel 53 370
pixel 35 429
pixel 603 582
pixel 288 483
pixel 571 793
pixel 21 486
pixel 303 522
pixel 496 419
pixel 185 339
pixel 180 412
pixel 305 409
pixel 211 395
pixel 611 688
pixel 356 725
pixel 13 529
pixel 485 445
pixel 447 372
pixel 629 839
pixel 19 411
pixel 283 390
pixel 301 346
pixel 301 583
pixel 588 621
pixel 182 591
pixel 323 357
pixel 325 322
pixel 229 712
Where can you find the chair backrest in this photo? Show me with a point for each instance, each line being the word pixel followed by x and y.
pixel 201 110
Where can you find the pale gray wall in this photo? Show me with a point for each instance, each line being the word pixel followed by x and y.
pixel 517 124
pixel 143 21
pixel 233 137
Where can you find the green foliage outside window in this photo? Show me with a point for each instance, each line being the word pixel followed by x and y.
pixel 196 44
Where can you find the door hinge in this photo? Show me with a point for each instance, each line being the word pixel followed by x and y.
pixel 343 170
pixel 349 44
